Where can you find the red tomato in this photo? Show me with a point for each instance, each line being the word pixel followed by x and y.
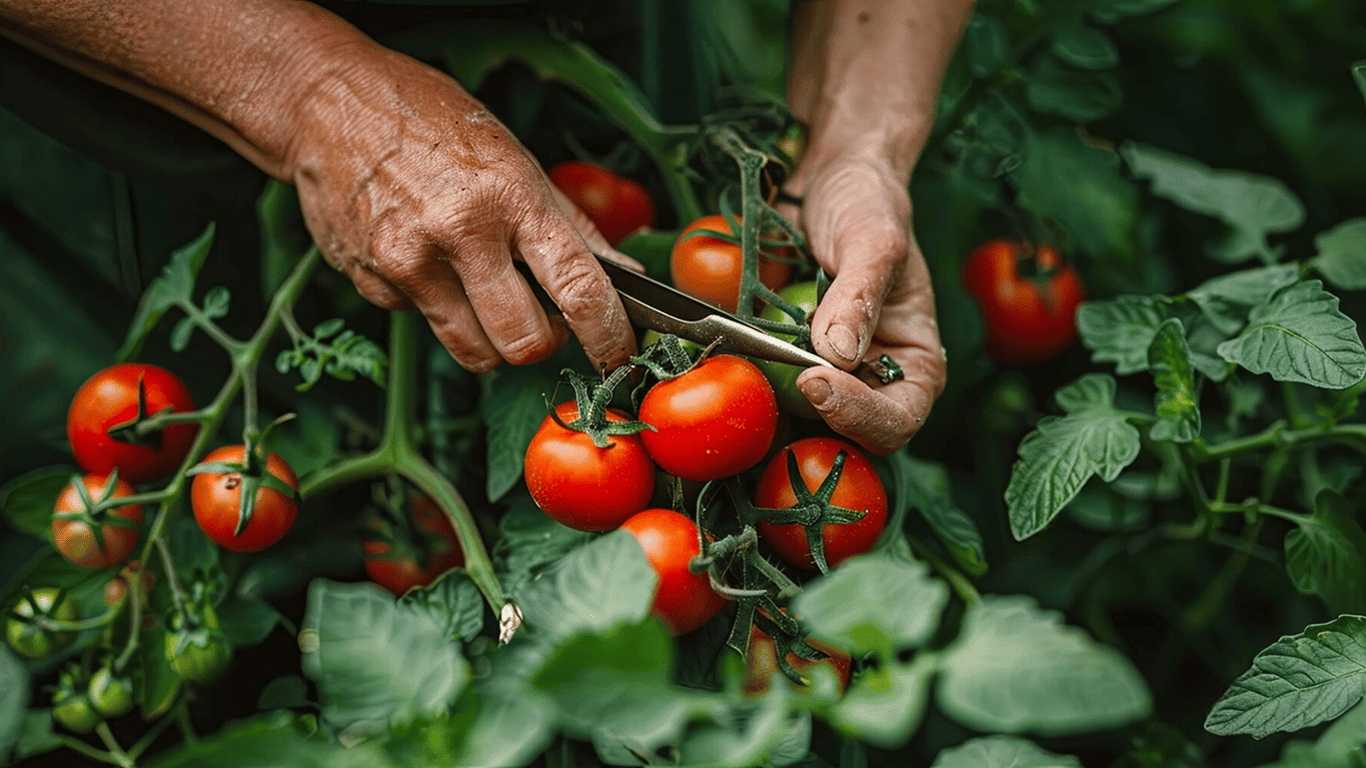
pixel 399 571
pixel 761 663
pixel 581 485
pixel 216 498
pixel 1028 319
pixel 109 399
pixel 859 489
pixel 683 600
pixel 709 268
pixel 76 540
pixel 714 421
pixel 616 204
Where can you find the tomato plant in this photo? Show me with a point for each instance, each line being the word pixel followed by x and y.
pixel 92 537
pixel 616 204
pixel 683 600
pixel 197 648
pixel 110 694
pixel 102 421
pixel 216 497
pixel 714 421
pixel 858 490
pixel 783 377
pixel 708 267
pixel 412 555
pixel 72 708
pixel 581 485
pixel 761 661
pixel 1028 297
pixel 29 639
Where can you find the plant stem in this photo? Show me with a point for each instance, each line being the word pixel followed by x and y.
pixel 77 745
pixel 1258 508
pixel 961 585
pixel 398 453
pixel 112 744
pixel 244 355
pixel 1277 435
pixel 208 326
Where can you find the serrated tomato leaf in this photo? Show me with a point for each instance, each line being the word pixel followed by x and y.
pixel 454 602
pixel 1076 94
pixel 1226 300
pixel 1120 330
pixel 1176 402
pixel 1297 682
pixel 604 583
pixel 885 706
pixel 873 603
pixel 1341 256
pixel 1299 335
pixel 1326 554
pixel 1002 752
pixel 376 661
pixel 27 500
pixel 1057 459
pixel 1016 668
pixel 174 286
pixel 924 485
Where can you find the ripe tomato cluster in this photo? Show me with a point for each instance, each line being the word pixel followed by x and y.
pixel 122 428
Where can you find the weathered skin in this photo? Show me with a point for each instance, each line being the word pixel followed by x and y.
pixel 417 193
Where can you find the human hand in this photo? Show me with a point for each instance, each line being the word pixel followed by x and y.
pixel 418 194
pixel 856 214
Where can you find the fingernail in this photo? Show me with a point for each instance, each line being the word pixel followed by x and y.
pixel 843 341
pixel 817 391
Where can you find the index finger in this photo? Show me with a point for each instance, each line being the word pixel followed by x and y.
pixel 563 264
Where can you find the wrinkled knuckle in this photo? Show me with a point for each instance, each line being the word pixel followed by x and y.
pixel 577 288
pixel 530 347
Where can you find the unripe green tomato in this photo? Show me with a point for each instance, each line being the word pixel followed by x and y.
pixel 73 710
pixel 196 663
pixel 112 696
pixel 27 638
pixel 781 376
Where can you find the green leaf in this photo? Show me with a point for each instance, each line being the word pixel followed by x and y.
pixel 160 682
pixel 271 740
pixel 1297 682
pixel 35 735
pixel 1085 47
pixel 1100 508
pixel 885 706
pixel 617 683
pixel 1177 402
pixel 216 302
pixel 530 541
pixel 1341 745
pixel 594 588
pixel 27 500
pixel 1326 554
pixel 287 692
pixel 1112 10
pixel 987 45
pixel 1341 257
pixel 1121 330
pixel 1002 752
pixel 925 486
pixel 1017 668
pixel 1075 94
pixel 284 236
pixel 13 701
pixel 1359 74
pixel 1079 186
pixel 454 602
pixel 743 735
pixel 376 661
pixel 873 603
pixel 513 405
pixel 494 730
pixel 1227 300
pixel 174 286
pixel 311 440
pixel 1253 205
pixel 1057 459
pixel 1300 336
pixel 247 621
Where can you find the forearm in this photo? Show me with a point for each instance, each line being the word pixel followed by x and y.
pixel 240 70
pixel 864 74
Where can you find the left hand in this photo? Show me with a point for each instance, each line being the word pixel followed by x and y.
pixel 856 214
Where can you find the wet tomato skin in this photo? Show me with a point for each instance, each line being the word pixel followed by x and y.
pixel 859 489
pixel 75 539
pixel 683 600
pixel 716 420
pixel 110 398
pixel 215 498
pixel 581 485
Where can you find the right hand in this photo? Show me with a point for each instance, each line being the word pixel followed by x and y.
pixel 415 191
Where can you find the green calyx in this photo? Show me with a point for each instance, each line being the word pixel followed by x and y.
pixel 592 399
pixel 813 510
